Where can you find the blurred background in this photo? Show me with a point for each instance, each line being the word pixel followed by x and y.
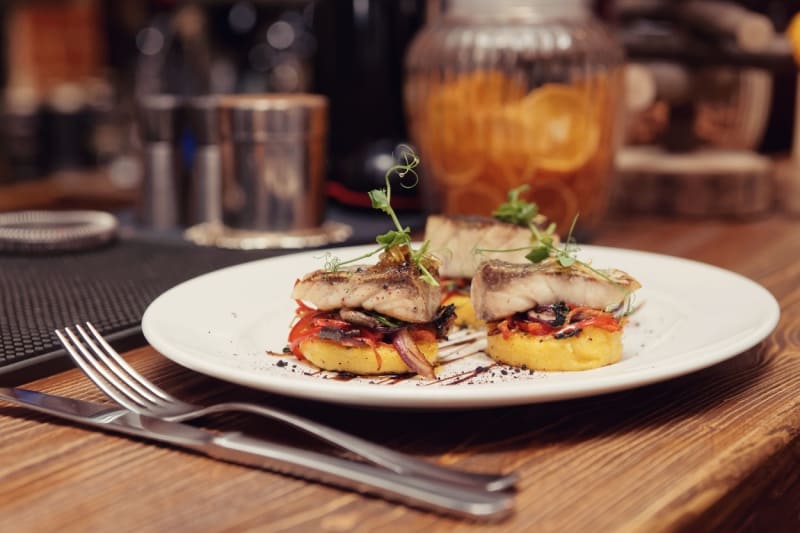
pixel 701 111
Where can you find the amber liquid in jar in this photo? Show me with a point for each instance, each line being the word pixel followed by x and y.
pixel 516 92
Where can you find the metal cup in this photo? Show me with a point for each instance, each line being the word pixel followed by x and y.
pixel 205 202
pixel 163 186
pixel 276 144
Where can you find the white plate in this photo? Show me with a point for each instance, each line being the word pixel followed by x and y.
pixel 224 323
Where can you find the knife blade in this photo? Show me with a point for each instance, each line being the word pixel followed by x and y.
pixel 422 493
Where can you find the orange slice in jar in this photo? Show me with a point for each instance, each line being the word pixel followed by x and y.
pixel 479 198
pixel 562 130
pixel 453 165
pixel 462 115
pixel 556 200
pixel 449 130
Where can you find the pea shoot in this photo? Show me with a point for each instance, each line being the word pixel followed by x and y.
pixel 523 213
pixel 381 199
pixel 516 210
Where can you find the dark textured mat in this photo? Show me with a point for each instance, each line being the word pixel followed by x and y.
pixel 110 287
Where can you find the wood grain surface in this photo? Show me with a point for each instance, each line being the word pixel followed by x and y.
pixel 714 450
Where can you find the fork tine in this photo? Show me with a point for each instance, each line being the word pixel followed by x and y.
pixel 103 363
pixel 81 357
pixel 127 369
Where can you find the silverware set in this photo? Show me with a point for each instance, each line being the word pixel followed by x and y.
pixel 145 410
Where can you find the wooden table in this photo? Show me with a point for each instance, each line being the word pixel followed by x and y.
pixel 717 449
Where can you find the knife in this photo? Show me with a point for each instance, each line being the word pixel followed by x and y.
pixel 234 447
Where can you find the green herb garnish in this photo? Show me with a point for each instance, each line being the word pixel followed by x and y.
pixel 543 248
pixel 400 236
pixel 523 213
pixel 537 255
pixel 566 255
pixel 515 210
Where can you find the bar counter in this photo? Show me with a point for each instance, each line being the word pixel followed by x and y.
pixel 713 450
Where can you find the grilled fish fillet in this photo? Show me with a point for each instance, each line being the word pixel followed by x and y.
pixel 394 290
pixel 456 239
pixel 500 289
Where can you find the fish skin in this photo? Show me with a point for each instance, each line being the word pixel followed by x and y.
pixel 455 239
pixel 500 289
pixel 393 290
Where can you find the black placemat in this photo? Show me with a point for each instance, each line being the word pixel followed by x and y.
pixel 110 287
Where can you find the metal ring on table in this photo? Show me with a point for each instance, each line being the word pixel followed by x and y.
pixel 218 235
pixel 48 231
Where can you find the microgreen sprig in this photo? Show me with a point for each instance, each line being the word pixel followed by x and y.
pixel 566 256
pixel 515 210
pixel 381 199
pixel 543 248
pixel 523 213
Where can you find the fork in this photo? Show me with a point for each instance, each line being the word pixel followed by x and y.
pixel 115 377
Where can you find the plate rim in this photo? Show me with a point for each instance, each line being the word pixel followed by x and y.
pixel 445 398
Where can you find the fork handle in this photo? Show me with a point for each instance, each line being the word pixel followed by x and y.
pixel 397 462
pixel 364 478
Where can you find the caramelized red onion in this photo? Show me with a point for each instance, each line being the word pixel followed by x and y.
pixel 554 315
pixel 445 316
pixel 359 318
pixel 441 323
pixel 401 338
pixel 411 354
pixel 343 337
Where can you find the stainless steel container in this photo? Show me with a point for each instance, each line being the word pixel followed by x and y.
pixel 160 203
pixel 276 145
pixel 205 202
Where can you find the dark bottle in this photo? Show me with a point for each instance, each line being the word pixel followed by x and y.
pixel 359 66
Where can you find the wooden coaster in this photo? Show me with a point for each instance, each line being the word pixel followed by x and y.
pixel 706 182
pixel 787 185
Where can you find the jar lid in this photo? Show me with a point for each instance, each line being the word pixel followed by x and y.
pixel 522 9
pixel 50 231
pixel 258 117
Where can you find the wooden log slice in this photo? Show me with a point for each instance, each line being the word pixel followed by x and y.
pixel 787 185
pixel 705 182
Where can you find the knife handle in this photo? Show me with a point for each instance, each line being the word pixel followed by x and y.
pixel 437 495
pixel 379 455
pixel 418 492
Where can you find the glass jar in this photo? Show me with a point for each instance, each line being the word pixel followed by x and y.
pixel 511 92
